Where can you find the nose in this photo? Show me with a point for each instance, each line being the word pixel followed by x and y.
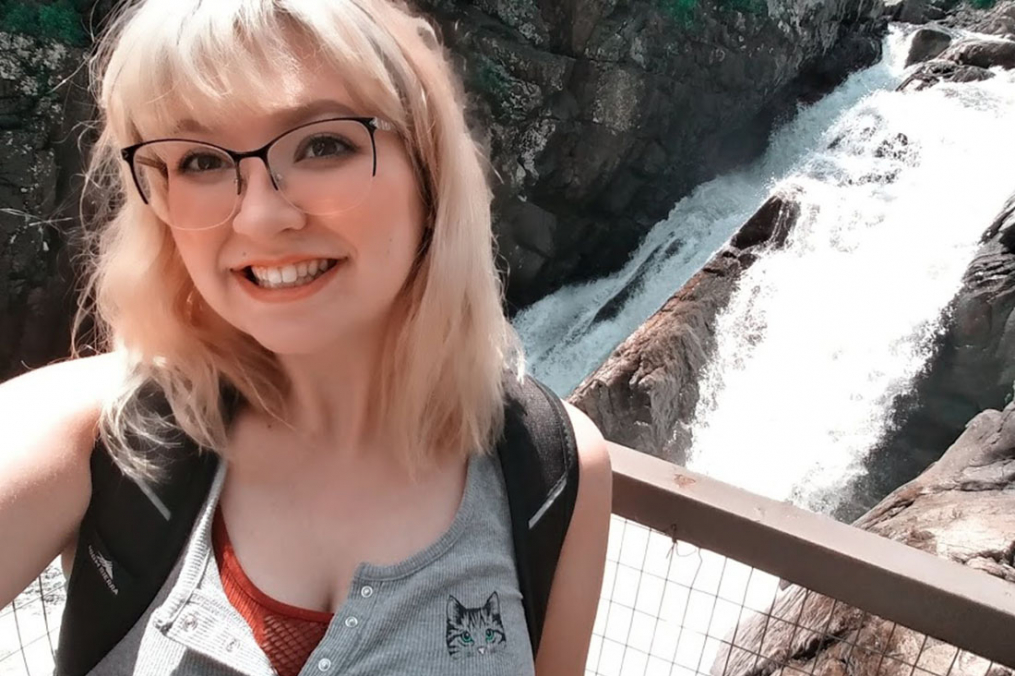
pixel 263 211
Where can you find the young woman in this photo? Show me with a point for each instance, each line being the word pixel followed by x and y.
pixel 298 215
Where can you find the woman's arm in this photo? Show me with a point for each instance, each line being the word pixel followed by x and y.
pixel 47 429
pixel 574 597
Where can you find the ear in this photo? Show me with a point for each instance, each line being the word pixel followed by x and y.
pixel 455 610
pixel 492 605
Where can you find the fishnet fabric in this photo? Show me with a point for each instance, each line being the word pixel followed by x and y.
pixel 285 633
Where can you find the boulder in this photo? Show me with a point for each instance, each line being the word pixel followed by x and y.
pixel 982 53
pixel 922 11
pixel 935 71
pixel 645 393
pixel 962 508
pixel 927 43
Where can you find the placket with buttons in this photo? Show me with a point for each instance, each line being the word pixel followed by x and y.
pixel 344 632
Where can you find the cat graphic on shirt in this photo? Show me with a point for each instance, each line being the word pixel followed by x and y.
pixel 474 631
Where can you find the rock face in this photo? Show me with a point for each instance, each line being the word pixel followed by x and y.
pixel 968 60
pixel 603 113
pixel 973 367
pixel 36 196
pixel 962 508
pixel 644 395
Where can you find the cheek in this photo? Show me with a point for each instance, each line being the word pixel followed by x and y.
pixel 197 250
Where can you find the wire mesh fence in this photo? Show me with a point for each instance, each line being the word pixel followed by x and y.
pixel 670 608
pixel 30 625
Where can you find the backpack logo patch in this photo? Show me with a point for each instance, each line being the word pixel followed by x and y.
pixel 105 568
pixel 474 632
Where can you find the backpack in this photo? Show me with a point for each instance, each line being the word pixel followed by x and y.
pixel 132 534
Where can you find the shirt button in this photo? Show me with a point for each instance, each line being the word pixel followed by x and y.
pixel 366 592
pixel 189 623
pixel 231 645
pixel 351 622
pixel 324 664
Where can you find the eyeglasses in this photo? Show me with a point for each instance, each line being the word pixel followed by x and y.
pixel 322 168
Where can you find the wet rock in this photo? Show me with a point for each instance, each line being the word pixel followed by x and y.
pixel 935 71
pixel 982 53
pixel 645 393
pixel 927 43
pixel 923 11
pixel 962 508
pixel 972 367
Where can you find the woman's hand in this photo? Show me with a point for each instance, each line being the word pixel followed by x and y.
pixel 574 597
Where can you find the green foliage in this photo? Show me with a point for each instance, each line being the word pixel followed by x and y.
pixel 58 20
pixel 757 7
pixel 982 4
pixel 683 11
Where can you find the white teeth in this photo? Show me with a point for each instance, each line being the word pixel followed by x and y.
pixel 289 276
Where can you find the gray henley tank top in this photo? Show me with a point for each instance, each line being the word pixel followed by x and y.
pixel 452 609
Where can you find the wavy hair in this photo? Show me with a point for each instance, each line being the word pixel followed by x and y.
pixel 442 379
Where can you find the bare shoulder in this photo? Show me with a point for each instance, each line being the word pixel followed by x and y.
pixel 593 457
pixel 61 400
pixel 48 423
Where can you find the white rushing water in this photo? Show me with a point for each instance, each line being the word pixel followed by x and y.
pixel 821 337
pixel 564 342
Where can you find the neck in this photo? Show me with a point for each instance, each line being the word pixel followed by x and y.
pixel 330 394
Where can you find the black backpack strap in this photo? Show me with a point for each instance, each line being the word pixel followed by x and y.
pixel 129 540
pixel 539 458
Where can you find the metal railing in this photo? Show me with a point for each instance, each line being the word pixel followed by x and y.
pixel 705 578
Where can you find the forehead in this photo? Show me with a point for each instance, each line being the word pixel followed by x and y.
pixel 280 98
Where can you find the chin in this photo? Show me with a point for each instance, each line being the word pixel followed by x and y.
pixel 292 344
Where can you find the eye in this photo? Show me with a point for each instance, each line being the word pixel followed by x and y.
pixel 489 635
pixel 467 638
pixel 197 162
pixel 322 146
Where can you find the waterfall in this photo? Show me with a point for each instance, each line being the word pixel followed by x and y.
pixel 820 337
pixel 569 333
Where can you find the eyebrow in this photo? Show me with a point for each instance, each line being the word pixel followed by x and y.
pixel 287 117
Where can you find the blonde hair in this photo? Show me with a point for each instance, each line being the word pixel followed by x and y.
pixel 443 375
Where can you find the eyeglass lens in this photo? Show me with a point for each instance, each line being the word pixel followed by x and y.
pixel 322 169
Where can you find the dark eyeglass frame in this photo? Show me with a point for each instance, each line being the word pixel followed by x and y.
pixel 371 123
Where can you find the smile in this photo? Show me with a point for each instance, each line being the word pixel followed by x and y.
pixel 288 276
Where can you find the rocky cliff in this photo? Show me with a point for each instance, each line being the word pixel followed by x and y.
pixel 601 114
pixel 39 111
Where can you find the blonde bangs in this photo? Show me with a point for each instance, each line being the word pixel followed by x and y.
pixel 194 60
